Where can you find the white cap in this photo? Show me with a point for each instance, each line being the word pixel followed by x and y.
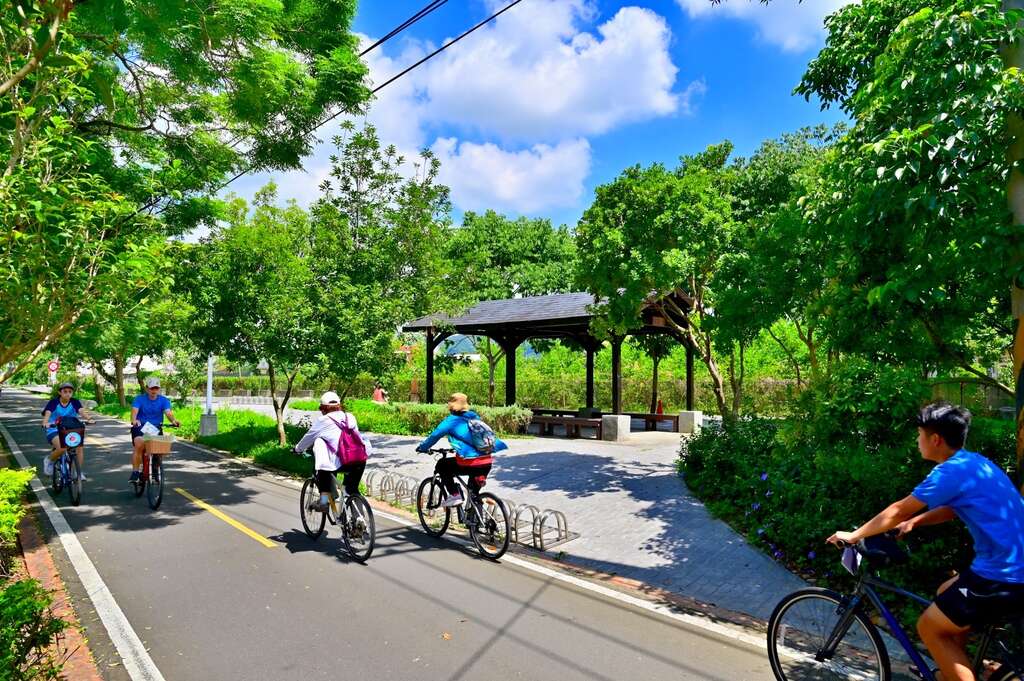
pixel 330 397
pixel 152 382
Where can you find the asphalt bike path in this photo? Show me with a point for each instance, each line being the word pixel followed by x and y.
pixel 257 599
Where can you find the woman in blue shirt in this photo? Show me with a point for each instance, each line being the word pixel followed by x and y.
pixel 467 461
pixel 62 406
pixel 148 407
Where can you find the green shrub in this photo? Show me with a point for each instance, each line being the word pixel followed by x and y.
pixel 848 451
pixel 423 418
pixel 27 630
pixel 12 486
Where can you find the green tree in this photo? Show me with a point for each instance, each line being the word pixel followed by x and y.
pixel 253 293
pixel 494 257
pixel 377 252
pixel 654 236
pixel 118 120
pixel 776 271
pixel 658 347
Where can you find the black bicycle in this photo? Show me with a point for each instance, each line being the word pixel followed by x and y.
pixel 358 529
pixel 483 514
pixel 66 472
pixel 819 633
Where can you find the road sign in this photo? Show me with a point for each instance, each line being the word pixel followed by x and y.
pixel 53 365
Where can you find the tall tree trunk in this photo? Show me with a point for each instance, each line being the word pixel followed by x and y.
pixel 119 378
pixel 280 405
pixel 736 379
pixel 98 391
pixel 790 355
pixel 138 374
pixel 492 358
pixel 654 386
pixel 1013 57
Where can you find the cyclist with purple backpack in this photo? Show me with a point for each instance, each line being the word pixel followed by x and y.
pixel 473 441
pixel 338 447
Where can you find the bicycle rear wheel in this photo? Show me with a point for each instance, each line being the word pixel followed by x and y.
pixel 313 521
pixel 490 532
pixel 433 517
pixel 75 481
pixel 358 531
pixel 155 486
pixel 801 625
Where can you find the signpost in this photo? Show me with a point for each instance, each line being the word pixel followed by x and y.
pixel 208 419
pixel 52 366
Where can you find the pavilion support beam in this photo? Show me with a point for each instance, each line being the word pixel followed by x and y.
pixel 590 377
pixel 429 346
pixel 433 340
pixel 689 377
pixel 617 375
pixel 510 345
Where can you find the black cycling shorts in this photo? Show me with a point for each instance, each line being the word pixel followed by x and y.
pixel 972 600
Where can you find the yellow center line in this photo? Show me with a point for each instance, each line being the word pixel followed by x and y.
pixel 226 518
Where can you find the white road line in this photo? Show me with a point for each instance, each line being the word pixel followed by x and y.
pixel 137 662
pixel 691 620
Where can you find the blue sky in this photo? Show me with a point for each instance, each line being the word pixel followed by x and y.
pixel 532 112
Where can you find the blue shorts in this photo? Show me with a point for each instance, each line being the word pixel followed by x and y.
pixel 50 434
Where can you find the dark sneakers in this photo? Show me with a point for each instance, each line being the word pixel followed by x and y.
pixel 135 476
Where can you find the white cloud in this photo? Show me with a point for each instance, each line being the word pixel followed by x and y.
pixel 508 109
pixel 790 24
pixel 536 75
pixel 483 176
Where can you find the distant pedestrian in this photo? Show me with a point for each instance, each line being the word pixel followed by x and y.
pixel 380 395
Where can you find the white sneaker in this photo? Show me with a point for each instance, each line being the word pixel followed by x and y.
pixel 47 466
pixel 82 478
pixel 452 500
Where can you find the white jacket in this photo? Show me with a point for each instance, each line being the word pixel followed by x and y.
pixel 326 427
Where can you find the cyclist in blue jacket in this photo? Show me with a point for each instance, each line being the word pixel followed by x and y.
pixel 967 486
pixel 468 459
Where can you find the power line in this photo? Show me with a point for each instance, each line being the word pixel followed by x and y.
pixel 405 24
pixel 380 87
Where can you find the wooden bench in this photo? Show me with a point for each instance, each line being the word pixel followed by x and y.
pixel 651 420
pixel 572 424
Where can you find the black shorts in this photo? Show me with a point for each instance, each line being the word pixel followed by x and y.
pixel 972 600
pixel 137 432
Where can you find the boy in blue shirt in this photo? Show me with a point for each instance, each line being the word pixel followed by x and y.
pixel 968 486
pixel 149 407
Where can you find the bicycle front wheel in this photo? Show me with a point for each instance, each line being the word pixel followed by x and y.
pixel 490 531
pixel 802 624
pixel 57 477
pixel 75 483
pixel 313 521
pixel 155 488
pixel 433 517
pixel 358 530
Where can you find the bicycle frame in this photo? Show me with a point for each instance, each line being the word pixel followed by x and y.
pixel 866 590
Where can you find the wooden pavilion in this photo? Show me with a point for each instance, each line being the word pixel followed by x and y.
pixel 564 315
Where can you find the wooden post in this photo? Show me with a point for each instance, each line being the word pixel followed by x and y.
pixel 689 377
pixel 430 366
pixel 590 376
pixel 510 345
pixel 616 375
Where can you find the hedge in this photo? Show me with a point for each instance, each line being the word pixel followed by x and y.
pixel 12 486
pixel 848 453
pixel 413 418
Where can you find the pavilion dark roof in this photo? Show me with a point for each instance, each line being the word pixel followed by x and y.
pixel 558 308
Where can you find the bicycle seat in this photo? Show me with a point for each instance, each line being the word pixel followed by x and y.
pixel 882 551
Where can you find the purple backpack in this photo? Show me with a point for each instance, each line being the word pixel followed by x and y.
pixel 350 448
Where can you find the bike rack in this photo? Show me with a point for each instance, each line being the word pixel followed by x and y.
pixel 541 529
pixel 528 524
